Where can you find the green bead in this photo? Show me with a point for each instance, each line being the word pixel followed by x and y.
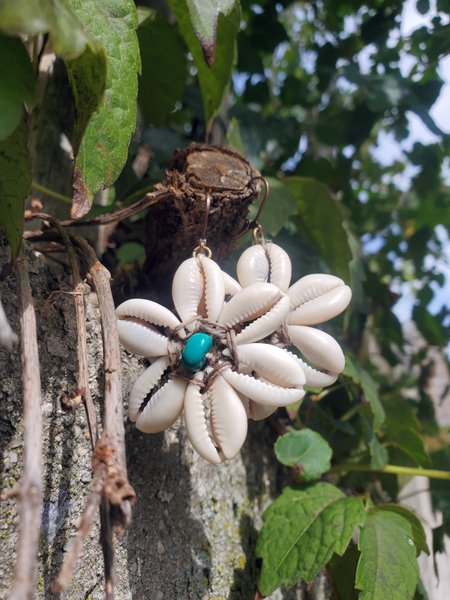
pixel 194 353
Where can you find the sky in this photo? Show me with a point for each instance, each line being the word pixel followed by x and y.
pixel 389 150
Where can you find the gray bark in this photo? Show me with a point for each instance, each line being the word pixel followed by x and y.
pixel 194 525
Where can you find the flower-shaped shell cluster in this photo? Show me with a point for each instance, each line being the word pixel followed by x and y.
pixel 216 350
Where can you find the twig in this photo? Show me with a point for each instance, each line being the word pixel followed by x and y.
pixel 114 217
pixel 30 489
pixel 8 339
pixel 108 461
pixel 83 378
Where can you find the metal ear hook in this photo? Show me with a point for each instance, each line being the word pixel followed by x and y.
pixel 202 247
pixel 257 229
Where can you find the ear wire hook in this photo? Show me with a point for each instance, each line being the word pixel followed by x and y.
pixel 202 247
pixel 257 229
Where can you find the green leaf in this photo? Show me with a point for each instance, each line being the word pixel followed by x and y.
pixel 162 54
pixel 204 18
pixel 69 38
pixel 129 252
pixel 305 449
pixel 16 83
pixel 418 533
pixel 356 371
pixel 343 571
pixel 281 204
pixel 215 79
pixel 87 76
pixel 320 220
pixel 15 182
pixel 379 454
pixel 302 529
pixel 411 442
pixel 399 414
pixel 104 147
pixel 388 566
pixel 234 138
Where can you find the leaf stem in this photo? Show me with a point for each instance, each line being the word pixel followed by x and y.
pixel 394 469
pixel 41 188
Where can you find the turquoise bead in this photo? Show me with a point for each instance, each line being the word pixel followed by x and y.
pixel 194 353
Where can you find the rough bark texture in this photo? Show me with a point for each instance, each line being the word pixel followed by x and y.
pixel 194 524
pixel 175 224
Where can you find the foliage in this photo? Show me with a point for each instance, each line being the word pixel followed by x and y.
pixel 305 91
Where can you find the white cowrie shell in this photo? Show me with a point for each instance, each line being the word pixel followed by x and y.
pixel 231 285
pixel 250 303
pixel 198 279
pixel 164 407
pixel 273 364
pixel 314 378
pixel 262 392
pixel 318 347
pixel 228 418
pixel 253 266
pixel 254 410
pixel 317 298
pixel 134 325
pixel 194 420
pixel 266 324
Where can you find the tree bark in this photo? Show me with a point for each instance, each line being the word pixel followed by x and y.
pixel 194 525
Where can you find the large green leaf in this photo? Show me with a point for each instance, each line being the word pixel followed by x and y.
pixel 418 532
pixel 69 38
pixel 16 83
pixel 302 529
pixel 103 149
pixel 161 53
pixel 388 566
pixel 15 181
pixel 305 449
pixel 356 371
pixel 204 17
pixel 320 220
pixel 280 205
pixel 87 76
pixel 215 79
pixel 411 442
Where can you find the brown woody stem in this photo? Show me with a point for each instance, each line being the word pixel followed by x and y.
pixel 29 494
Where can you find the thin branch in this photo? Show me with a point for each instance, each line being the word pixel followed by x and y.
pixel 30 488
pixel 8 339
pixel 83 378
pixel 108 219
pixel 395 469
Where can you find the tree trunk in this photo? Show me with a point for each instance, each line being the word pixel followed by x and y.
pixel 194 524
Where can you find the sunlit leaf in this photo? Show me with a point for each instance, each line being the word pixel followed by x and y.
pixel 215 79
pixel 104 147
pixel 306 450
pixel 418 532
pixel 388 566
pixel 302 529
pixel 69 38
